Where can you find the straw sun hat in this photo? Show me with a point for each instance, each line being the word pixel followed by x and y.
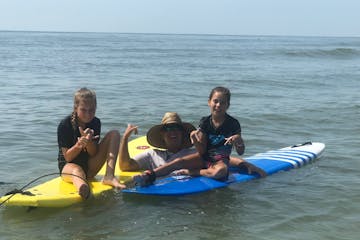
pixel 155 138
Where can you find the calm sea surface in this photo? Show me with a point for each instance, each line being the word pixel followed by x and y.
pixel 285 90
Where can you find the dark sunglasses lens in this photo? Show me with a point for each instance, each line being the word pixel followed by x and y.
pixel 172 127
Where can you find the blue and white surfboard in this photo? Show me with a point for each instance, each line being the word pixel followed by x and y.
pixel 271 162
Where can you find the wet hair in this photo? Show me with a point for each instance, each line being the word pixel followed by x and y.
pixel 82 95
pixel 225 91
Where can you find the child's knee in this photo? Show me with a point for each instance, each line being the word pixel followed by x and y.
pixel 78 171
pixel 114 134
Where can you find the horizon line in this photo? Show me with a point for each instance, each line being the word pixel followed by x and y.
pixel 200 34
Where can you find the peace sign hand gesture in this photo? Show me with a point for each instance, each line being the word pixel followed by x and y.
pixel 87 136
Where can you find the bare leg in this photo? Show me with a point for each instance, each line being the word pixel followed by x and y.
pixel 218 170
pixel 107 151
pixel 251 168
pixel 75 174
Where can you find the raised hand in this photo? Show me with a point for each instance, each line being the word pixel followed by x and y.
pixel 130 128
pixel 231 140
pixel 87 136
pixel 195 136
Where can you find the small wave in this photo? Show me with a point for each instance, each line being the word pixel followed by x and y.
pixel 319 53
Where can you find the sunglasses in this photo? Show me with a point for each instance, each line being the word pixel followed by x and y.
pixel 172 127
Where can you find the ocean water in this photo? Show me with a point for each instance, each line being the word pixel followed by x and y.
pixel 285 90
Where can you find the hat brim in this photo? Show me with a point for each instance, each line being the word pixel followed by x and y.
pixel 155 139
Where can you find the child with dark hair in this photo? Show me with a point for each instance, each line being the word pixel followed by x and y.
pixel 218 133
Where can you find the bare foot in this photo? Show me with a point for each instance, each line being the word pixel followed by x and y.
pixel 252 169
pixel 113 181
pixel 84 191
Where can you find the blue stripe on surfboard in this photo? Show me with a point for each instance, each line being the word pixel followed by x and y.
pixel 302 152
pixel 298 160
pixel 295 157
pixel 289 153
pixel 295 161
pixel 271 166
pixel 289 150
pixel 311 155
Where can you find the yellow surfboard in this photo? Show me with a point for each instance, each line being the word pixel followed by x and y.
pixel 57 193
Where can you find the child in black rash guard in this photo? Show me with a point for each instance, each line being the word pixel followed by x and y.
pixel 81 153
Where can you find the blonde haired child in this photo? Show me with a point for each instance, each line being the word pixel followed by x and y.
pixel 81 153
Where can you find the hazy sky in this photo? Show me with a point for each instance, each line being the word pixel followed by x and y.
pixel 238 17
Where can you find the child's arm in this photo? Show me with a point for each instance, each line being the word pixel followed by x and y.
pixel 237 142
pixel 239 145
pixel 125 162
pixel 198 138
pixel 71 153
